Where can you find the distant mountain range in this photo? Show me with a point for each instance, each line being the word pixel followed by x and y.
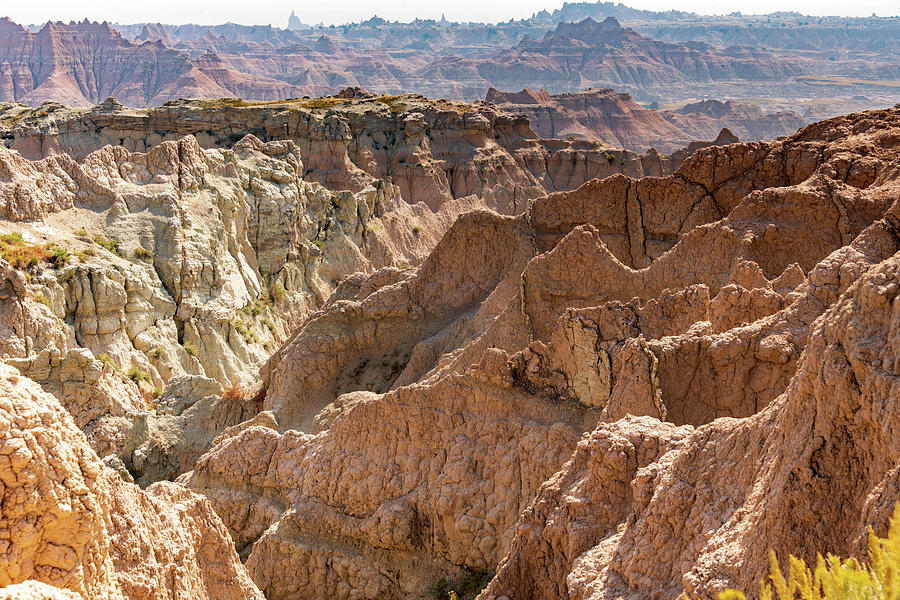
pixel 785 61
pixel 603 115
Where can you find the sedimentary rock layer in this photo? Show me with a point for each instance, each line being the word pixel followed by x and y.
pixel 73 529
pixel 608 117
pixel 739 308
pixel 432 150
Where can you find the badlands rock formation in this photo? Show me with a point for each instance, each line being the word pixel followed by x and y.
pixel 73 529
pixel 179 262
pixel 184 260
pixel 701 120
pixel 605 52
pixel 181 270
pixel 828 65
pixel 193 261
pixel 432 150
pixel 612 118
pixel 380 378
pixel 648 508
pixel 80 64
pixel 698 366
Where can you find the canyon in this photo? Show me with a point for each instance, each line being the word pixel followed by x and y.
pixel 600 303
pixel 387 346
pixel 606 116
pixel 818 67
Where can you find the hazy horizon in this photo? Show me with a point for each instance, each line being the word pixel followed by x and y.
pixel 207 12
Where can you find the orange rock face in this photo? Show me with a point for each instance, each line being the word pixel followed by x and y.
pixel 633 388
pixel 705 343
pixel 70 523
pixel 603 115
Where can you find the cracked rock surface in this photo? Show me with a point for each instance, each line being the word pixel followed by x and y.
pixel 73 529
pixel 633 388
pixel 658 347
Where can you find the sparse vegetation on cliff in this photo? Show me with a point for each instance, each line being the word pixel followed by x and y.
pixel 136 375
pixel 466 587
pixel 108 360
pixel 25 256
pixel 835 578
pixel 107 243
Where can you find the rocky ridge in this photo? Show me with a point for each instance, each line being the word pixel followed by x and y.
pixel 491 378
pixel 432 150
pixel 179 270
pixel 680 301
pixel 612 118
pixel 175 263
pixel 827 65
pixel 81 63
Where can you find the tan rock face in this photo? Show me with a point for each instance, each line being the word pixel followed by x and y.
pixel 182 262
pixel 71 523
pixel 702 509
pixel 603 115
pixel 218 253
pixel 630 315
pixel 193 262
pixel 434 151
pixel 634 387
pixel 452 501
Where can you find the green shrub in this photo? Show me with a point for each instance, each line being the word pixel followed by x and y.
pixel 241 328
pixel 191 349
pixel 835 578
pixel 278 292
pixel 107 359
pixel 57 256
pixel 19 253
pixel 83 255
pixel 142 253
pixel 136 375
pixel 12 239
pixel 464 588
pixel 42 299
pixel 108 244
